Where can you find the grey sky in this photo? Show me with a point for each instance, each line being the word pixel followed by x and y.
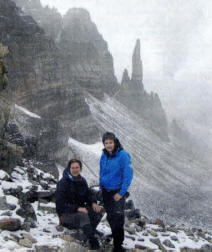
pixel 176 39
pixel 175 35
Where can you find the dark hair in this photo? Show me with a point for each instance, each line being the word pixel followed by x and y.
pixel 108 135
pixel 74 160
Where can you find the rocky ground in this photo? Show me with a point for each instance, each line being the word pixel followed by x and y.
pixel 28 221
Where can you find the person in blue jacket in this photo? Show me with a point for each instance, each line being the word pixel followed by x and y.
pixel 115 178
pixel 76 206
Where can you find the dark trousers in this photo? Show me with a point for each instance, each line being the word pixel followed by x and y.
pixel 115 215
pixel 88 222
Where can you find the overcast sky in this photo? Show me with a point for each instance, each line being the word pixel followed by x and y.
pixel 176 35
pixel 176 47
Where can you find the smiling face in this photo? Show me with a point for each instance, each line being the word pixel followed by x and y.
pixel 75 169
pixel 109 145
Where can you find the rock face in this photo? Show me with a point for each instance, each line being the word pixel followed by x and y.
pixel 85 56
pixel 41 80
pixel 48 18
pixel 133 95
pixel 10 154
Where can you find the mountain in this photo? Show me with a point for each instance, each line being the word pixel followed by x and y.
pixel 86 59
pixel 133 95
pixel 65 94
pixel 39 81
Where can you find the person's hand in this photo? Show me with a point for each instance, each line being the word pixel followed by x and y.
pixel 96 208
pixel 82 210
pixel 117 197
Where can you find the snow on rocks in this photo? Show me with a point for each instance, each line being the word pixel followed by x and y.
pixel 27 112
pixel 28 221
pixel 4 175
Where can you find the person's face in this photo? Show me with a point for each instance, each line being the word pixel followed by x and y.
pixel 75 169
pixel 109 145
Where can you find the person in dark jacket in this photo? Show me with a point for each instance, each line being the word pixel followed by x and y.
pixel 75 204
pixel 115 178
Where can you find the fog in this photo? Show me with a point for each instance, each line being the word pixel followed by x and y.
pixel 176 51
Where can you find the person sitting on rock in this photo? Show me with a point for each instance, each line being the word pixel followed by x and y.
pixel 3 76
pixel 75 204
pixel 115 178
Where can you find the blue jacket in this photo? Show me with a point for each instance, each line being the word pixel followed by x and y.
pixel 116 171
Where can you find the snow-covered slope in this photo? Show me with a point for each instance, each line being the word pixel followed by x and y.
pixel 168 183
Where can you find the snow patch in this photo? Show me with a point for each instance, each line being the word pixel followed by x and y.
pixel 27 112
pixel 3 174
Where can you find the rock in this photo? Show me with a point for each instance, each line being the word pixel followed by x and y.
pixel 4 205
pixel 29 237
pixel 141 239
pixel 15 237
pixel 172 229
pixel 130 230
pixel 130 237
pixel 129 205
pixel 141 222
pixel 10 224
pixel 13 191
pixel 25 243
pixel 133 214
pixel 45 230
pixel 4 175
pixel 140 247
pixel 137 69
pixel 153 233
pixel 158 243
pixel 206 248
pixel 67 238
pixel 26 211
pixel 46 195
pixel 73 246
pixel 135 98
pixel 145 234
pixel 59 228
pixel 49 207
pixel 7 213
pixel 168 243
pixel 48 249
pixel 174 238
pixel 10 155
pixel 6 238
pixel 138 228
pixel 160 223
pixel 28 223
pixel 164 234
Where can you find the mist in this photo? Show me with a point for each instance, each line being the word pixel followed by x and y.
pixel 176 50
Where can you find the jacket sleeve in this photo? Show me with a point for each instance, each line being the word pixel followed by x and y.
pixel 127 173
pixel 100 172
pixel 90 195
pixel 62 205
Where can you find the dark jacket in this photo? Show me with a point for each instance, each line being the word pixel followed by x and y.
pixel 72 193
pixel 115 169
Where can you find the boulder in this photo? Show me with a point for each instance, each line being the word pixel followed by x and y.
pixel 10 224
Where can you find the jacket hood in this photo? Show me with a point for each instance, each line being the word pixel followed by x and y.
pixel 118 148
pixel 67 175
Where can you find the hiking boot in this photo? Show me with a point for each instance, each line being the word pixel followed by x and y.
pixel 94 244
pixel 119 249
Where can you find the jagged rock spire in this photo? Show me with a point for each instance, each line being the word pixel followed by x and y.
pixel 137 68
pixel 125 77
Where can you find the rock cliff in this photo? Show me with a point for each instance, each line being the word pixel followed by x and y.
pixel 133 95
pixel 86 59
pixel 39 82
